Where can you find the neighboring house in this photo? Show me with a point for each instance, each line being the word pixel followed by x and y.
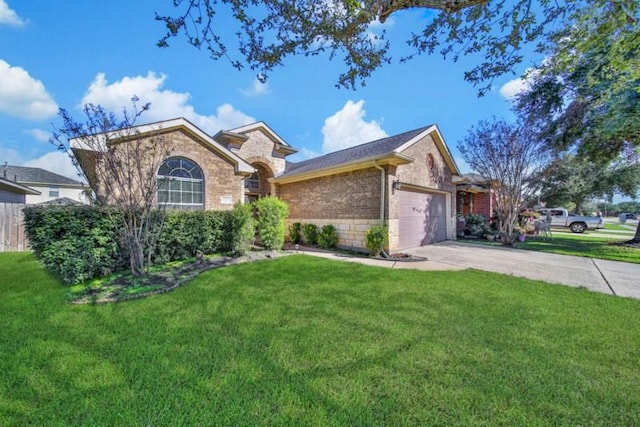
pixel 404 180
pixel 12 192
pixel 474 196
pixel 49 185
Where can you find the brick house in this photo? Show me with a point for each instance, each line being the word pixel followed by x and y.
pixel 404 180
pixel 474 196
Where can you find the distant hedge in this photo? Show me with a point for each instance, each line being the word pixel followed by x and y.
pixel 83 242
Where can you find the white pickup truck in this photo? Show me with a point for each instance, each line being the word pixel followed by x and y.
pixel 560 217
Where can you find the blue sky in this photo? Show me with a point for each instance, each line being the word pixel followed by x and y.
pixel 65 54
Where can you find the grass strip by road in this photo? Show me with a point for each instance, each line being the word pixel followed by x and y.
pixel 302 340
pixel 585 246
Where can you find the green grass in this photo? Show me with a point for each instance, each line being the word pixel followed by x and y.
pixel 618 227
pixel 307 341
pixel 584 245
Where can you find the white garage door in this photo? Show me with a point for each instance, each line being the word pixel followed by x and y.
pixel 422 218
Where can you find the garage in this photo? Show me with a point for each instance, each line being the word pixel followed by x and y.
pixel 422 218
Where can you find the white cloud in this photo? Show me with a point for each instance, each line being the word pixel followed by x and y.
pixel 38 134
pixel 347 128
pixel 8 16
pixel 56 162
pixel 515 86
pixel 257 88
pixel 23 96
pixel 165 104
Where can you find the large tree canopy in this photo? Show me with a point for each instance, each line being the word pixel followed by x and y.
pixel 586 95
pixel 266 32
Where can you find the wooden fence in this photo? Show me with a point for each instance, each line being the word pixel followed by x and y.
pixel 12 236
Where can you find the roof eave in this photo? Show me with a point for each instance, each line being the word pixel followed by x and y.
pixel 23 188
pixel 393 159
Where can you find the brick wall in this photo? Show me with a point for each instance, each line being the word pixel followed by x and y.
pixel 222 187
pixel 350 201
pixel 420 173
pixel 220 180
pixel 349 195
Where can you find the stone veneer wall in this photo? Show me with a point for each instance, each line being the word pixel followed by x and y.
pixel 350 201
pixel 259 150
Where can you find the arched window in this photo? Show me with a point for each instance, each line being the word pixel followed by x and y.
pixel 180 184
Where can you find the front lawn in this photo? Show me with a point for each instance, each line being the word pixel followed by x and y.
pixel 584 245
pixel 300 340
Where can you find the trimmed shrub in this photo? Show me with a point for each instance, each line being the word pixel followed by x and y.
pixel 187 233
pixel 76 242
pixel 241 230
pixel 310 233
pixel 295 232
pixel 475 225
pixel 272 213
pixel 328 237
pixel 376 238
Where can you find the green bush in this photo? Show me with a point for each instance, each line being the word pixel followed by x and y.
pixel 295 232
pixel 188 233
pixel 272 213
pixel 475 225
pixel 84 242
pixel 242 229
pixel 328 237
pixel 76 242
pixel 376 238
pixel 310 234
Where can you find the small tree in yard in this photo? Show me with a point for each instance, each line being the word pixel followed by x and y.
pixel 511 160
pixel 122 172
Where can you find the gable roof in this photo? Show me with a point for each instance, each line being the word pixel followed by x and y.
pixel 383 150
pixel 238 136
pixel 165 126
pixel 28 175
pixel 260 126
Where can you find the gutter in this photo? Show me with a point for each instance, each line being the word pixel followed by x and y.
pixel 382 190
pixel 382 199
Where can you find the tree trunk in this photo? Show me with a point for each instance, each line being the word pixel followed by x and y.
pixel 636 238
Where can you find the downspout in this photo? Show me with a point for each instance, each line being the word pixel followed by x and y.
pixel 382 199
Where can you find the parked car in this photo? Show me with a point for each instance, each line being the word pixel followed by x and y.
pixel 560 217
pixel 629 216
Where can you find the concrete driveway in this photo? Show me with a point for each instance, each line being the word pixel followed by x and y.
pixel 609 277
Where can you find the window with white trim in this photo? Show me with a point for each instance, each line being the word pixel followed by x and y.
pixel 180 184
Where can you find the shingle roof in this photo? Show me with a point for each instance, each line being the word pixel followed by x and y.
pixel 22 174
pixel 368 150
pixel 14 187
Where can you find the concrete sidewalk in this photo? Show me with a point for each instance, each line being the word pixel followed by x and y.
pixel 609 277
